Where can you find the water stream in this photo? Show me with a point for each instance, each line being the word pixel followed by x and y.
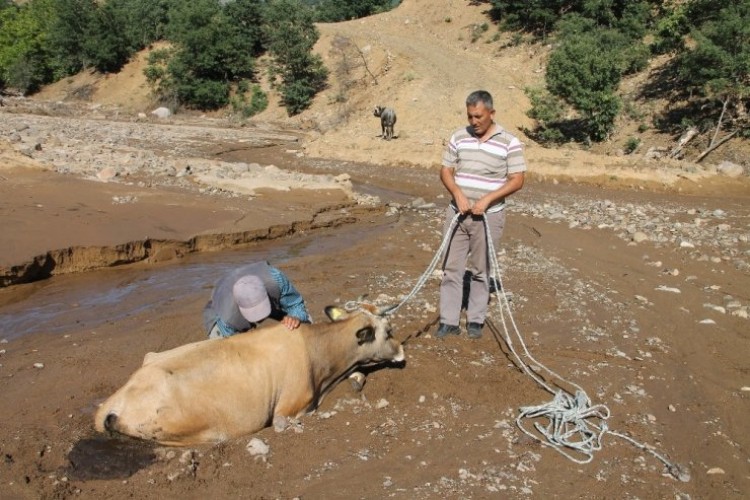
pixel 64 303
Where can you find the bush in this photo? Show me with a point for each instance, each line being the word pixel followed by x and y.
pixel 585 71
pixel 289 35
pixel 258 100
pixel 631 145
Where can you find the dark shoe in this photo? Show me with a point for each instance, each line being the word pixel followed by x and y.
pixel 474 330
pixel 445 330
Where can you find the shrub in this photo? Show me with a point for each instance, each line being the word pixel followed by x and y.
pixel 632 144
pixel 257 104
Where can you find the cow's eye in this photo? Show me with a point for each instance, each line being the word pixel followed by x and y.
pixel 389 333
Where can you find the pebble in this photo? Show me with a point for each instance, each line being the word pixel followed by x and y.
pixel 715 470
pixel 257 447
pixel 39 365
pixel 718 309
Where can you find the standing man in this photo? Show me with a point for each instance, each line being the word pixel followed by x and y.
pixel 482 164
pixel 250 294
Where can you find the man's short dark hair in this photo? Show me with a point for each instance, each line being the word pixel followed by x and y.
pixel 480 96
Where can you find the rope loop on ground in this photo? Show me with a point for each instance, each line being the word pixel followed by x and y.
pixel 568 427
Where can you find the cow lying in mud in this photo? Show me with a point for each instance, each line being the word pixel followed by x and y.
pixel 218 389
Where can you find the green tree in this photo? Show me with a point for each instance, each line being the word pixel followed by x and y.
pixel 146 20
pixel 290 35
pixel 25 48
pixel 344 10
pixel 214 48
pixel 67 35
pixel 717 67
pixel 540 17
pixel 534 16
pixel 585 70
pixel 107 45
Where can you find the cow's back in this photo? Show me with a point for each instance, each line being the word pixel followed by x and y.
pixel 212 391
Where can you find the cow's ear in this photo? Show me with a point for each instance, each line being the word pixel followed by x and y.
pixel 335 313
pixel 365 335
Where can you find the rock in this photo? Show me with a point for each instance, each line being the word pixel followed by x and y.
pixel 382 404
pixel 39 365
pixel 106 174
pixel 686 244
pixel 655 153
pixel 639 237
pixel 162 112
pixel 730 169
pixel 715 470
pixel 256 447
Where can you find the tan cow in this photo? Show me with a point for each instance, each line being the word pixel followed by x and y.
pixel 218 389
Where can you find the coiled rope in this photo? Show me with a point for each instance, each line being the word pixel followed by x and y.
pixel 569 416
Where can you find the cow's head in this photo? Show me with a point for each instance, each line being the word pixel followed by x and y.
pixel 378 110
pixel 375 341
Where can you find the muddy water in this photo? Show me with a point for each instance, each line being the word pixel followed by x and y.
pixel 64 303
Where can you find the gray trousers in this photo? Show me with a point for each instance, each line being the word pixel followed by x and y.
pixel 468 249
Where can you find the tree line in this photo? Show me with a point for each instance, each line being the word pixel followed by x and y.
pixel 213 45
pixel 596 43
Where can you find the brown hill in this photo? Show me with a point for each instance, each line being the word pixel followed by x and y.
pixel 422 59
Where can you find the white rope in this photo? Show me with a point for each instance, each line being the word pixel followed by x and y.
pixel 568 416
pixel 430 269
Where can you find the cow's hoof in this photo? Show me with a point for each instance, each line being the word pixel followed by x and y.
pixel 357 379
pixel 280 423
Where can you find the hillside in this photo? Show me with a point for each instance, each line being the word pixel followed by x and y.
pixel 422 59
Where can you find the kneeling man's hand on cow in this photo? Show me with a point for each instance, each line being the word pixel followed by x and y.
pixel 290 322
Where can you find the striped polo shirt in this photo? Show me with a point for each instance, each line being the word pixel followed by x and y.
pixel 483 167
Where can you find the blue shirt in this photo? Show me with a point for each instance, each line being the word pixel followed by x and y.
pixel 290 300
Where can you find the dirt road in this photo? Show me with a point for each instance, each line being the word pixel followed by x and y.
pixel 640 298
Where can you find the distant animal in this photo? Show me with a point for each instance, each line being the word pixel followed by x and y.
pixel 387 121
pixel 219 389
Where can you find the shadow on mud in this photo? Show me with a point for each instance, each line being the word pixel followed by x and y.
pixel 104 457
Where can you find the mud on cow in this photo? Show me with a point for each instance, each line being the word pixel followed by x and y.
pixel 218 389
pixel 387 121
